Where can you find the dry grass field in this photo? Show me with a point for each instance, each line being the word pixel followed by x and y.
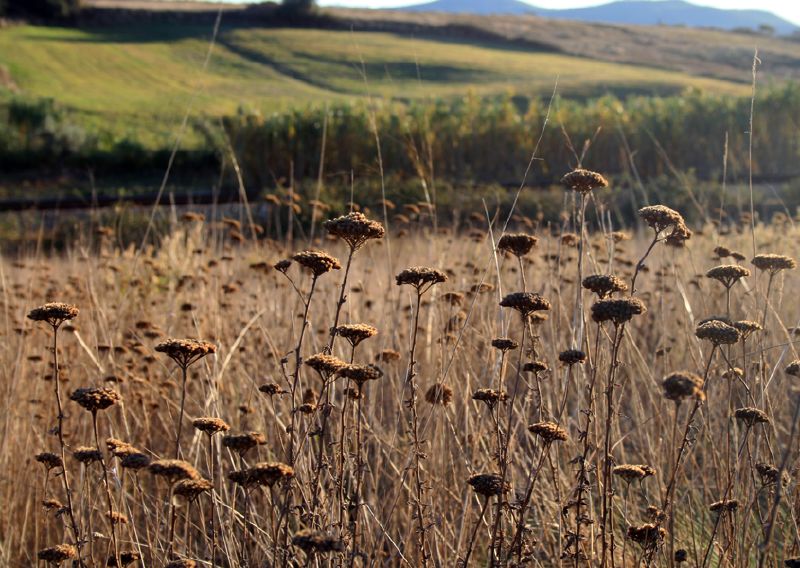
pixel 417 395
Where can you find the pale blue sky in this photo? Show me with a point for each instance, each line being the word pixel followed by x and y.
pixel 788 9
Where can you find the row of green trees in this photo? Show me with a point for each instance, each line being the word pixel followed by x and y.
pixel 472 139
pixel 48 10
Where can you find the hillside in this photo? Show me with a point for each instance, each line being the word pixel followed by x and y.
pixel 141 78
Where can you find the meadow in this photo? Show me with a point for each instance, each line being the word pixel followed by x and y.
pixel 394 391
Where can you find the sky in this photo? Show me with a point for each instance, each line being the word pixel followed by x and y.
pixel 787 9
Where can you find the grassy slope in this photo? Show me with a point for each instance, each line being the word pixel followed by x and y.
pixel 142 78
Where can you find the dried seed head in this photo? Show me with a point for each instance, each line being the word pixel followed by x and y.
pixel 95 398
pixel 54 313
pixel 173 470
pixel 135 461
pixel 535 367
pixel 629 472
pixel 681 385
pixel 318 262
pixel 583 181
pixel 548 431
pixel 269 473
pixel 183 563
pixel 388 355
pixel 125 558
pixel 316 542
pixel 649 535
pixel 728 274
pixel 660 217
pixel 355 333
pixel 770 474
pixel 747 328
pixel 185 352
pixel 58 553
pixel 525 303
pixel 681 555
pixel 618 311
pixel 751 416
pixel 243 442
pixel 355 229
pixel 488 484
pixel 572 357
pixel 49 460
pixel 360 374
pixel 325 364
pixel 490 396
pixel 504 344
pixel 119 448
pixel 271 389
pixel 724 506
pixel 604 284
pixel 793 368
pixel 210 425
pixel 87 455
pixel 717 332
pixel 518 244
pixel 191 489
pixel 419 276
pixel 678 237
pixel 282 265
pixel 439 393
pixel 773 263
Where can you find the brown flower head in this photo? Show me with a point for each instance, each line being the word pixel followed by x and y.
pixel 618 311
pixel 318 262
pixel 135 461
pixel 210 425
pixel 316 542
pixel 525 303
pixel 793 368
pixel 488 484
pixel 439 393
pixel 95 398
pixel 629 472
pixel 660 217
pixel 191 489
pixel 773 263
pixel 548 431
pixel 87 455
pixel 420 276
pixel 186 352
pixel 173 470
pixel 747 328
pixel 58 553
pixel 49 460
pixel 325 364
pixel 649 535
pixel 724 506
pixel 681 385
pixel 728 274
pixel 770 474
pixel 751 416
pixel 717 332
pixel 269 473
pixel 504 344
pixel 604 284
pixel 572 357
pixel 355 333
pixel 54 313
pixel 518 244
pixel 360 374
pixel 125 558
pixel 355 229
pixel 583 181
pixel 243 442
pixel 490 396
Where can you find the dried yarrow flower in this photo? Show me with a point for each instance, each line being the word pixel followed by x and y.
pixel 548 431
pixel 648 535
pixel 793 368
pixel 678 237
pixel 728 274
pixel 751 416
pixel 525 302
pixel 490 396
pixel 724 506
pixel 191 489
pixel 773 263
pixel 325 364
pixel 682 385
pixel 54 313
pixel 583 181
pixel 770 474
pixel 660 217
pixel 629 472
pixel 518 244
pixel 747 328
pixel 360 374
pixel 604 284
pixel 269 473
pixel 58 553
pixel 504 344
pixel 95 398
pixel 318 262
pixel 282 265
pixel 173 470
pixel 717 332
pixel 119 448
pixel 316 542
pixel 355 333
pixel 618 311
pixel 87 455
pixel 243 442
pixel 419 276
pixel 185 352
pixel 439 393
pixel 135 461
pixel 271 389
pixel 125 558
pixel 210 425
pixel 49 460
pixel 572 357
pixel 355 229
pixel 488 484
pixel 535 367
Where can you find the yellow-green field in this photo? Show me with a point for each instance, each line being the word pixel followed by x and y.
pixel 142 78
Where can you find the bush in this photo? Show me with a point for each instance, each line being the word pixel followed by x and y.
pixel 48 10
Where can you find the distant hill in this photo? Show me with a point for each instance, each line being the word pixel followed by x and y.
pixel 639 12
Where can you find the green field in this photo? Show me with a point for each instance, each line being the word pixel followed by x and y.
pixel 140 79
